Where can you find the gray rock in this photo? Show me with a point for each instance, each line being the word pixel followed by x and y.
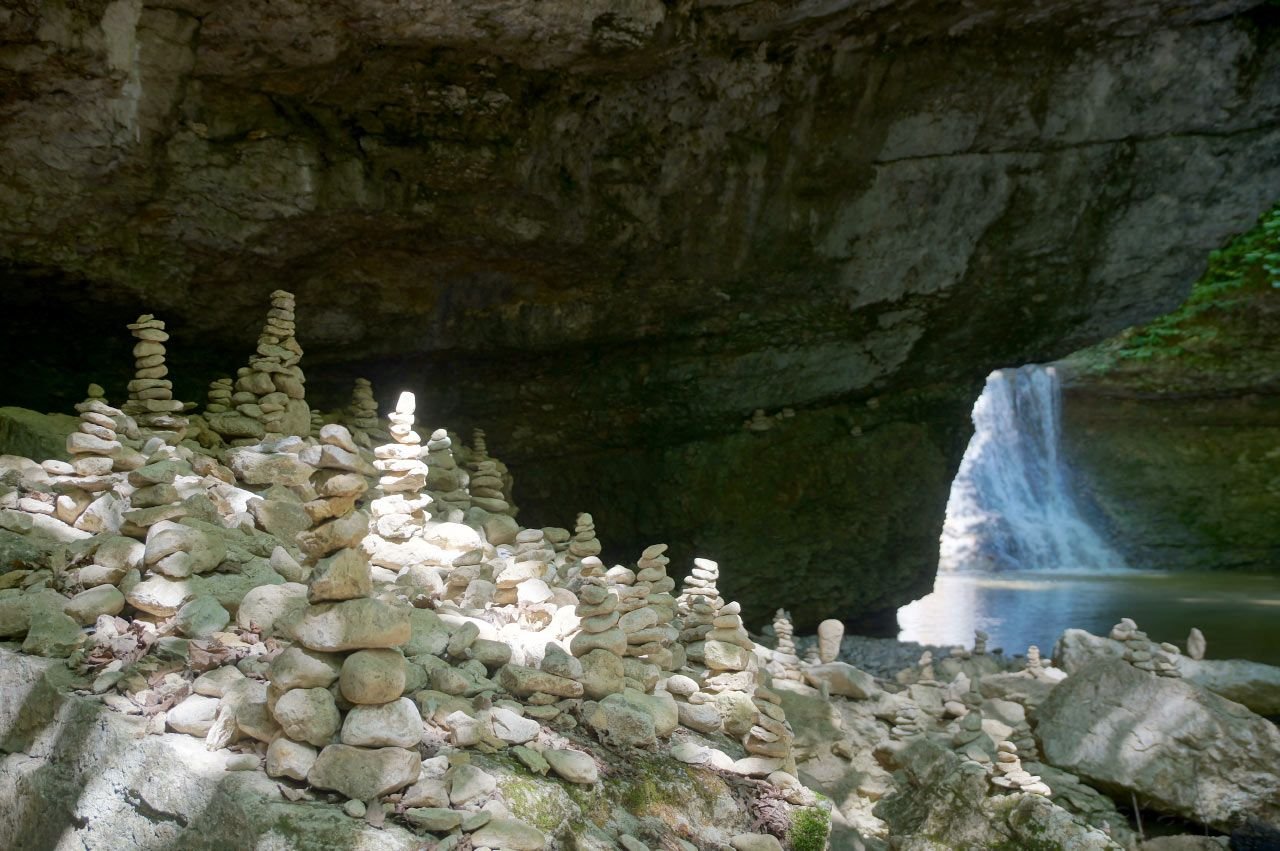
pixel 373 676
pixel 1181 748
pixel 435 819
pixel 755 842
pixel 85 607
pixel 364 774
pixel 272 609
pixel 353 625
pixel 394 724
pixel 201 618
pixel 308 715
pixel 467 782
pixel 574 766
pixel 843 679
pixel 193 715
pixel 510 834
pixel 297 667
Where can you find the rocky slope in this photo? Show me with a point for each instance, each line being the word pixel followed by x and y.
pixel 1172 426
pixel 609 231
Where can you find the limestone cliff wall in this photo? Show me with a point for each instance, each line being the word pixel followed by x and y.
pixel 608 230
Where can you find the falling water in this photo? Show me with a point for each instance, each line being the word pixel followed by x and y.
pixel 1011 506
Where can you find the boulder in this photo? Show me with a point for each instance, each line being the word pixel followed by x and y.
pixel 1252 684
pixel 272 609
pixel 509 833
pixel 362 774
pixel 297 667
pixel 262 468
pixel 574 766
pixel 85 607
pixel 1181 748
pixel 373 676
pixel 394 724
pixel 308 715
pixel 843 679
pixel 201 618
pixel 353 625
pixel 287 758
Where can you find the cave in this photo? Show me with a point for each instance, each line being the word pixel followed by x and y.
pixel 722 275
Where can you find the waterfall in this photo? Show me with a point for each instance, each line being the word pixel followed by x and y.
pixel 1011 505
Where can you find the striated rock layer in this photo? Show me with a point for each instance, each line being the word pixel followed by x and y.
pixel 664 216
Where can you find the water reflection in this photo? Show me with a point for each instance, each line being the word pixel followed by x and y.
pixel 1237 612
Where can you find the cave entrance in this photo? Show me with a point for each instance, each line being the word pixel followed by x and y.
pixel 1026 553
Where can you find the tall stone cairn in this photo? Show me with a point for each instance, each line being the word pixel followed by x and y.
pixel 362 413
pixel 94 442
pixel 786 664
pixel 445 479
pixel 658 644
pixel 400 509
pixel 347 637
pixel 151 401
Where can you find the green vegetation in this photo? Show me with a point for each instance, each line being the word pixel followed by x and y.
pixel 1237 274
pixel 809 829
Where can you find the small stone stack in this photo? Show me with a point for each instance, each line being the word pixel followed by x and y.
pixel 220 392
pixel 980 639
pixel 601 644
pixel 1137 647
pixel 362 413
pixel 1025 739
pixel 906 723
pixel 479 448
pixel 728 652
pixel 317 423
pixel 830 636
pixel 698 603
pixel 1034 665
pixel 925 664
pixel 446 481
pixel 344 636
pixel 786 664
pixel 151 401
pixel 486 487
pixel 657 644
pixel 1165 660
pixel 697 709
pixel 758 421
pixel 399 512
pixel 526 571
pixel 95 442
pixel 771 735
pixel 274 374
pixel 1010 775
pixel 584 542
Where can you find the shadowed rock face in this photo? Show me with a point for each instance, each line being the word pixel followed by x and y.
pixel 607 231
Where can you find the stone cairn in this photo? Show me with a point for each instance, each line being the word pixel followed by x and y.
pixel 274 374
pixel 400 510
pixel 486 484
pixel 344 636
pixel 906 723
pixel 94 442
pixel 980 640
pixel 600 637
pixel 1034 666
pixel 362 413
pixel 584 542
pixel 1138 650
pixel 728 652
pixel 445 480
pixel 1010 775
pixel 830 635
pixel 925 664
pixel 317 423
pixel 151 401
pixel 786 664
pixel 220 392
pixel 525 573
pixel 771 734
pixel 657 644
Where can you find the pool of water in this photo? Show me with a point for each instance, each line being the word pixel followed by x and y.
pixel 1238 613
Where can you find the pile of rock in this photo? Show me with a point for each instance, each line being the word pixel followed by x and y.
pixel 728 652
pixel 980 639
pixel 1165 660
pixel 584 542
pixel 1010 775
pixel 758 421
pixel 601 644
pixel 347 637
pixel 698 603
pixel 523 577
pixel 94 443
pixel 362 413
pixel 399 510
pixel 697 709
pixel 151 401
pixel 785 664
pixel 1138 650
pixel 925 673
pixel 656 644
pixel 446 481
pixel 906 722
pixel 220 395
pixel 486 487
pixel 771 734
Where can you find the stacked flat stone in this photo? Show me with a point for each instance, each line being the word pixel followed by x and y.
pixel 317 423
pixel 584 542
pixel 1034 666
pixel 344 637
pixel 656 644
pixel 220 393
pixel 1137 647
pixel 599 635
pixel 1025 740
pixel 445 479
pixel 925 664
pixel 771 734
pixel 479 447
pixel 980 639
pixel 486 487
pixel 94 443
pixel 786 664
pixel 1165 660
pixel 729 653
pixel 906 723
pixel 698 603
pixel 758 421
pixel 525 573
pixel 362 413
pixel 813 656
pixel 274 374
pixel 151 401
pixel 400 510
pixel 1010 775
pixel 830 636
